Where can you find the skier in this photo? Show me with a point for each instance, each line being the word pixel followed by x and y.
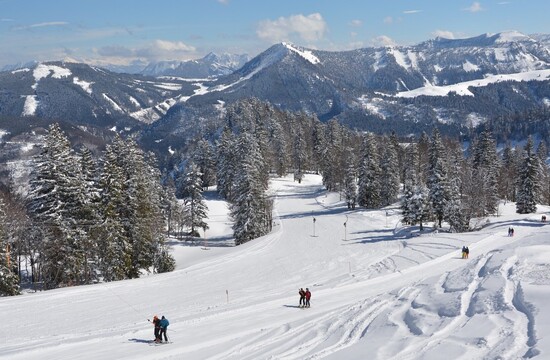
pixel 302 297
pixel 156 324
pixel 163 327
pixel 466 252
pixel 308 296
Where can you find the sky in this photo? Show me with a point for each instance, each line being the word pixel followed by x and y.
pixel 380 290
pixel 138 31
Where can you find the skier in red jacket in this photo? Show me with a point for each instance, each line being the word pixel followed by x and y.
pixel 308 296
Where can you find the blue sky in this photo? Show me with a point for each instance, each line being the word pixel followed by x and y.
pixel 139 31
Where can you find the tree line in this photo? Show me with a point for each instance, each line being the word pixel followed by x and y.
pixel 89 219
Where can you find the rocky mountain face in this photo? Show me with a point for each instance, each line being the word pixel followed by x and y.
pixel 86 95
pixel 456 84
pixel 212 65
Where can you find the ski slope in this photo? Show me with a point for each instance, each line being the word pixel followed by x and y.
pixel 380 290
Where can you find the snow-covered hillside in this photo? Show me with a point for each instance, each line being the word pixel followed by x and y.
pixel 381 290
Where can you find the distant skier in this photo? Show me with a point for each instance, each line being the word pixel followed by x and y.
pixel 156 324
pixel 163 327
pixel 467 252
pixel 510 231
pixel 308 296
pixel 302 294
pixel 464 252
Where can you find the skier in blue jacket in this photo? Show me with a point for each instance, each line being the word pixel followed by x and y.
pixel 163 326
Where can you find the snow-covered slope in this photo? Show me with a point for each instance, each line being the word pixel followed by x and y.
pixel 381 290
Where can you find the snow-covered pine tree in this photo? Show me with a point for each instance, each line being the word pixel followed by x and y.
pixel 456 213
pixel 54 205
pixel 438 182
pixel 486 165
pixel 389 173
pixel 299 155
pixel 195 205
pixel 350 180
pixel 507 174
pixel 226 164
pixel 204 159
pixel 279 148
pixel 528 193
pixel 419 206
pixel 332 156
pixel 319 146
pixel 146 225
pixel 410 182
pixel 115 252
pixel 250 207
pixel 9 280
pixel 369 187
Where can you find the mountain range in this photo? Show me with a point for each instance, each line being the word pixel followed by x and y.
pixel 457 84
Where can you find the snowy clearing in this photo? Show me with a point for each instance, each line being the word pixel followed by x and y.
pixel 381 290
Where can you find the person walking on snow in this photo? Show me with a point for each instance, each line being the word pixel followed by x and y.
pixel 308 296
pixel 302 297
pixel 466 252
pixel 163 327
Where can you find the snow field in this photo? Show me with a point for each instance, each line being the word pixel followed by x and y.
pixel 379 290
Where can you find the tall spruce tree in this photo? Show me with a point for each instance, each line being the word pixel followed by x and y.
pixel 9 279
pixel 195 205
pixel 389 173
pixel 438 184
pixel 410 182
pixel 250 207
pixel 114 248
pixel 350 180
pixel 485 164
pixel 528 193
pixel 369 187
pixel 55 204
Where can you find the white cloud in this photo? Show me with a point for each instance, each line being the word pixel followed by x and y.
pixel 6 20
pixel 356 23
pixel 383 40
pixel 43 24
pixel 411 11
pixel 172 46
pixel 388 20
pixel 156 50
pixel 475 7
pixel 444 34
pixel 310 28
pixel 51 23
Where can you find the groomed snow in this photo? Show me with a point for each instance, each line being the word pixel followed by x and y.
pixel 381 290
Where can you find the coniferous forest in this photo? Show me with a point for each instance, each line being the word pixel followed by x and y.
pixel 104 216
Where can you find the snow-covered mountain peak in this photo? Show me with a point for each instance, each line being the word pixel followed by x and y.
pixel 306 54
pixel 511 36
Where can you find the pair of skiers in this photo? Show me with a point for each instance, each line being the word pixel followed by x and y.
pixel 304 297
pixel 465 252
pixel 510 231
pixel 161 325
